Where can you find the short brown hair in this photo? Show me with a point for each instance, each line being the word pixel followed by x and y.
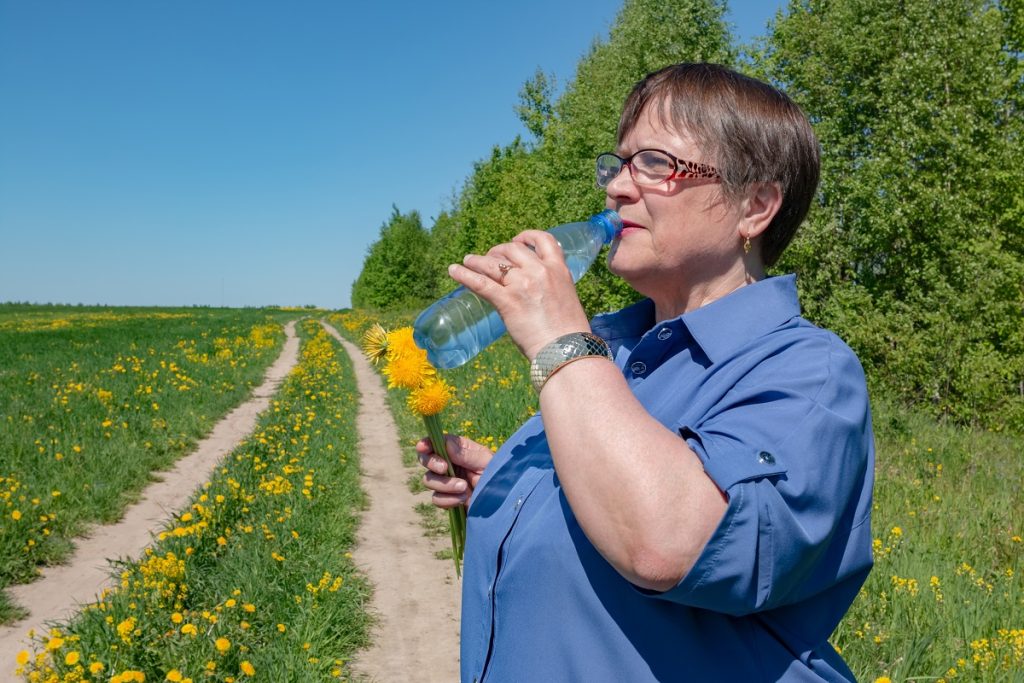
pixel 753 132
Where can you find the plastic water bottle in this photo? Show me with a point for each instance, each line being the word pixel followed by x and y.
pixel 460 325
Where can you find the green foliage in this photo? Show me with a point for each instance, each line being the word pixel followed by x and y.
pixel 535 109
pixel 394 272
pixel 914 253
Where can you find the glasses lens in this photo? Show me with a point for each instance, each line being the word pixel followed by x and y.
pixel 608 166
pixel 651 167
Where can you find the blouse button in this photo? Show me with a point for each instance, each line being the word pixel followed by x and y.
pixel 638 368
pixel 664 333
pixel 519 502
pixel 766 458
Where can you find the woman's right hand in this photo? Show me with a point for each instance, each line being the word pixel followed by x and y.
pixel 468 459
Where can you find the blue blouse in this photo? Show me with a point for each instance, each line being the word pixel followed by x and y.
pixel 777 410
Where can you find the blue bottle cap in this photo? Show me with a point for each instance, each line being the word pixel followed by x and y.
pixel 609 221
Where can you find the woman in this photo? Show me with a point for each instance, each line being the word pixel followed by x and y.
pixel 693 500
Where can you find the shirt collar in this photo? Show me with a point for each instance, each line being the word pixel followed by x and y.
pixel 719 327
pixel 728 323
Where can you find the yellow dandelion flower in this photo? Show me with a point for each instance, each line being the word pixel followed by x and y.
pixel 96 667
pixel 282 628
pixel 16 515
pixel 375 343
pixel 189 629
pixel 408 370
pixel 22 658
pixel 177 618
pixel 174 676
pixel 400 343
pixel 54 644
pixel 883 679
pixel 247 668
pixel 249 607
pixel 430 398
pixel 125 628
pixel 72 658
pixel 222 644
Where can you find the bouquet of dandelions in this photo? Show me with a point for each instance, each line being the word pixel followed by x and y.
pixel 406 366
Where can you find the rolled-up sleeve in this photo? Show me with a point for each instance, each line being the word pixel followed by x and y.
pixel 790 446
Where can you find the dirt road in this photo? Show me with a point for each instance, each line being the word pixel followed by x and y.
pixel 416 598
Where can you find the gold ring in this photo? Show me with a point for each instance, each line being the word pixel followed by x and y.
pixel 504 268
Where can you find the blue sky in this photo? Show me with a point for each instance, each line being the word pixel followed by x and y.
pixel 246 152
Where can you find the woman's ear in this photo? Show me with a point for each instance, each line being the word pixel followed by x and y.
pixel 759 208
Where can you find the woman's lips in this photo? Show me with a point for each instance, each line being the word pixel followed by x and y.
pixel 628 227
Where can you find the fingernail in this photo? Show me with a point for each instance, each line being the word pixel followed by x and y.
pixel 460 486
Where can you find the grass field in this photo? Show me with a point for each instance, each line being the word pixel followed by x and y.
pixel 945 601
pixel 253 579
pixel 93 400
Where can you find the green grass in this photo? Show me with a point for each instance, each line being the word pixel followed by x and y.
pixel 94 400
pixel 948 504
pixel 259 559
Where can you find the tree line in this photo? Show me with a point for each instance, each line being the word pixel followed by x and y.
pixel 914 249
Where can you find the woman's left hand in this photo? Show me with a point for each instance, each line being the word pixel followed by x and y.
pixel 536 297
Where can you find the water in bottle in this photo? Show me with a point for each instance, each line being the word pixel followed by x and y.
pixel 460 325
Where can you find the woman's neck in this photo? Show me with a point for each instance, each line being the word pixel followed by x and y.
pixel 690 298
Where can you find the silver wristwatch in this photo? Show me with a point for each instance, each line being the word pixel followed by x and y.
pixel 564 350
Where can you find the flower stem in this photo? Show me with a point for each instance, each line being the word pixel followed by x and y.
pixel 456 515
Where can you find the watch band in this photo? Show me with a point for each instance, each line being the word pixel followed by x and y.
pixel 564 350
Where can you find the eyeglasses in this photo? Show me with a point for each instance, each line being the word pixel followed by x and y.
pixel 650 167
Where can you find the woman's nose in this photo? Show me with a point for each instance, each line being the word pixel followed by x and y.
pixel 622 185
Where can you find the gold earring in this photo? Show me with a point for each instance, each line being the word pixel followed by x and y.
pixel 746 246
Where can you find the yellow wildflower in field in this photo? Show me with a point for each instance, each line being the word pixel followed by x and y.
pixel 430 398
pixel 54 643
pixel 177 618
pixel 883 679
pixel 22 658
pixel 401 343
pixel 125 628
pixel 16 515
pixel 247 668
pixel 72 658
pixel 222 645
pixel 189 630
pixel 375 343
pixel 409 369
pixel 96 667
pixel 174 676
